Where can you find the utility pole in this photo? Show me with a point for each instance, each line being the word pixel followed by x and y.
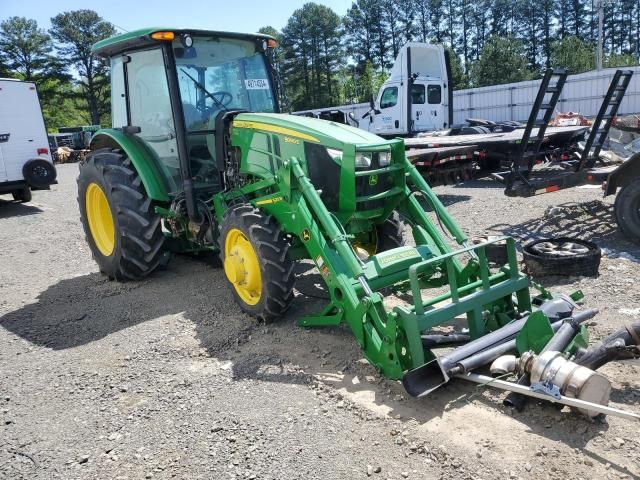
pixel 600 5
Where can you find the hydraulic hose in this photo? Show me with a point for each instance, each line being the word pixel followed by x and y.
pixel 614 347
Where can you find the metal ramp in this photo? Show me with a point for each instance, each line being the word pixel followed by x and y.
pixel 525 181
pixel 552 84
pixel 600 130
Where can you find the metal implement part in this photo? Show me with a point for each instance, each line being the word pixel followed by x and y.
pixel 571 402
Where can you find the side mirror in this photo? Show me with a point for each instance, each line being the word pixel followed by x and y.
pixel 352 117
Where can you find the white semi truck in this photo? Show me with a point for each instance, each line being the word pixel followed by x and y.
pixel 25 159
pixel 415 98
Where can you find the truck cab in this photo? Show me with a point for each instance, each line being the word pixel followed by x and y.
pixel 415 98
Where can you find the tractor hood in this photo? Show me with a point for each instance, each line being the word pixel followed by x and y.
pixel 330 134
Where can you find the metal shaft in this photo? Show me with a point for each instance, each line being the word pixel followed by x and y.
pixel 571 402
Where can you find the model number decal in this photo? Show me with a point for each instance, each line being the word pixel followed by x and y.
pixel 256 84
pixel 291 140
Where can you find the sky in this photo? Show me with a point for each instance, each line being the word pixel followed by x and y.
pixel 226 15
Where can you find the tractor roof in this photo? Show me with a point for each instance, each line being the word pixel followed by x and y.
pixel 330 133
pixel 141 38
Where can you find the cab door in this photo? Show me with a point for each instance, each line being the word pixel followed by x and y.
pixel 427 109
pixel 149 108
pixel 390 116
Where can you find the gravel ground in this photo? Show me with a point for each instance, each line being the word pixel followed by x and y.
pixel 166 378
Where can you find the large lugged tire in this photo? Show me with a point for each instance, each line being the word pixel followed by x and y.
pixel 390 233
pixel 567 257
pixel 255 255
pixel 118 217
pixel 627 210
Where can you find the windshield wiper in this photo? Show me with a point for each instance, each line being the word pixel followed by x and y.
pixel 206 92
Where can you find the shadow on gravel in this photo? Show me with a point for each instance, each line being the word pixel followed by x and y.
pixel 448 199
pixel 591 220
pixel 84 309
pixel 16 209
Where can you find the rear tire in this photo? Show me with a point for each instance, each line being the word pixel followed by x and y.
pixel 254 252
pixel 22 196
pixel 627 210
pixel 118 217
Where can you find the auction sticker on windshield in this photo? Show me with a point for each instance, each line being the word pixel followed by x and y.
pixel 257 84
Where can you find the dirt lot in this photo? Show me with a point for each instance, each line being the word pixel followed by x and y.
pixel 166 378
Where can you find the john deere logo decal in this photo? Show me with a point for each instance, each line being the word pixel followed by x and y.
pixel 306 235
pixel 373 180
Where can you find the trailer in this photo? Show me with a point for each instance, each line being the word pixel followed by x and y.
pixel 416 102
pixel 25 159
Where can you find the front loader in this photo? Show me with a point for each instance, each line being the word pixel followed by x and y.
pixel 199 159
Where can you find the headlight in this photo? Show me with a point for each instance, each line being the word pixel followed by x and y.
pixel 384 159
pixel 363 160
pixel 335 154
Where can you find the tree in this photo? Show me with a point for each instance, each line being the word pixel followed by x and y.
pixel 312 55
pixel 502 61
pixel 25 49
pixel 76 32
pixel 459 78
pixel 573 54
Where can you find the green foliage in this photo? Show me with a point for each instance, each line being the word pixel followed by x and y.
pixel 502 61
pixel 459 79
pixel 312 53
pixel 619 60
pixel 76 32
pixel 573 54
pixel 26 49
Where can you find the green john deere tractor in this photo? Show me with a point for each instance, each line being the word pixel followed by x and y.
pixel 199 159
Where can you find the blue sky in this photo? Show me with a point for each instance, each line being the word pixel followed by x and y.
pixel 231 15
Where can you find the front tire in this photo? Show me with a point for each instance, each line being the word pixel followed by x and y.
pixel 254 252
pixel 390 233
pixel 121 227
pixel 627 210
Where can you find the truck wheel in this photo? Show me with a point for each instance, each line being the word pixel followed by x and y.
pixel 254 252
pixel 22 196
pixel 121 227
pixel 39 173
pixel 627 210
pixel 390 233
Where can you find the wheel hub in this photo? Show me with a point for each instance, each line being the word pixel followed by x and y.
pixel 242 268
pixel 100 219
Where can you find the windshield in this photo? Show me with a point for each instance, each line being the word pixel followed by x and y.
pixel 217 74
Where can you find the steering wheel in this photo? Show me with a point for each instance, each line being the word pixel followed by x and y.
pixel 223 97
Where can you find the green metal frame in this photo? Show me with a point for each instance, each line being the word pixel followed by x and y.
pixel 390 340
pixel 276 179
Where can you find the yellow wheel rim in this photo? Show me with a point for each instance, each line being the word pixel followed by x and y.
pixel 100 219
pixel 241 267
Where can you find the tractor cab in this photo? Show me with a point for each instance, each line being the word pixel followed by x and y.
pixel 169 86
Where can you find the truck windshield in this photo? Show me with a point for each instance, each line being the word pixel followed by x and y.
pixel 220 74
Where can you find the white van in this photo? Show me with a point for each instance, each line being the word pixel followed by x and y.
pixel 25 160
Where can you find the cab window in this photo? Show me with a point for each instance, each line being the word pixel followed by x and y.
pixel 434 94
pixel 389 97
pixel 417 94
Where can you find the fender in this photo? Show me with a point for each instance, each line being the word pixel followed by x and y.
pixel 144 160
pixel 623 175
